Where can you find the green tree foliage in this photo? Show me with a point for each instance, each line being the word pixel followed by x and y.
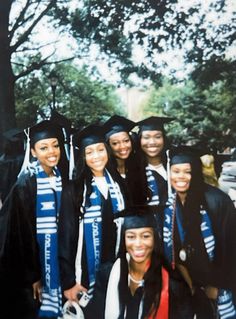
pixel 16 41
pixel 120 28
pixel 205 116
pixel 78 97
pixel 120 31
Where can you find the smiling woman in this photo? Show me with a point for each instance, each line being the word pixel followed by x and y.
pixel 136 285
pixel 199 237
pixel 96 158
pixel 180 178
pixel 47 151
pixel 88 236
pixel 152 153
pixel 30 254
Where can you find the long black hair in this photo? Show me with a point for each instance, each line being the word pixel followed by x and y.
pixel 83 175
pixel 194 200
pixel 133 183
pixel 143 163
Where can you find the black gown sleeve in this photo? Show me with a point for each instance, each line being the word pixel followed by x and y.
pixel 162 188
pixel 97 303
pixel 19 257
pixel 68 232
pixel 223 216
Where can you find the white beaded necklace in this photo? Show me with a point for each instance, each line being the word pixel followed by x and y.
pixel 138 282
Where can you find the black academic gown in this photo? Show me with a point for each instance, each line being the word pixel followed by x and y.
pixel 220 272
pixel 19 258
pixel 97 304
pixel 9 168
pixel 19 251
pixel 162 187
pixel 178 306
pixel 69 233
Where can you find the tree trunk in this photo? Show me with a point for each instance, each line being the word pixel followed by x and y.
pixel 7 80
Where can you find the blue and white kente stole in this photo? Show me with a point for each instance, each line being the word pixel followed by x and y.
pixel 48 204
pixel 225 305
pixel 93 223
pixel 152 185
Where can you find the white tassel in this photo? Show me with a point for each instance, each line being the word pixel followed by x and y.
pixel 78 259
pixel 168 175
pixel 119 222
pixel 65 144
pixel 112 310
pixel 72 159
pixel 26 163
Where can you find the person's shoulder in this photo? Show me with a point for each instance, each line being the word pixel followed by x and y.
pixel 25 179
pixel 22 191
pixel 212 191
pixel 218 199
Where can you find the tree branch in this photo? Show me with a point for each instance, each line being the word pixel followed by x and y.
pixel 38 65
pixel 25 36
pixel 20 19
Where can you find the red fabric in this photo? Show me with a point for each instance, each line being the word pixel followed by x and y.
pixel 163 309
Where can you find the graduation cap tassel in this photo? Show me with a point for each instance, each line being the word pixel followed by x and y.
pixel 66 144
pixel 168 175
pixel 72 158
pixel 26 163
pixel 119 222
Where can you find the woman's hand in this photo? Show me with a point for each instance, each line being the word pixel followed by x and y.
pixel 72 293
pixel 37 290
pixel 211 292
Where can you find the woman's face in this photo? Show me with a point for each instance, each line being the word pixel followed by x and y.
pixel 152 143
pixel 47 151
pixel 121 145
pixel 180 177
pixel 139 243
pixel 96 158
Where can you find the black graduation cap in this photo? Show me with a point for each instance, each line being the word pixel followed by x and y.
pixel 43 130
pixel 117 124
pixel 153 123
pixel 138 216
pixel 204 149
pixel 91 134
pixel 184 154
pixel 13 135
pixel 61 120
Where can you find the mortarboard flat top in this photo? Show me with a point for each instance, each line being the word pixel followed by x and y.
pixel 117 124
pixel 44 130
pixel 13 135
pixel 60 119
pixel 183 154
pixel 153 123
pixel 91 134
pixel 138 216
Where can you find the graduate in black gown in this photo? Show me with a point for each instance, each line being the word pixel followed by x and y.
pixel 152 158
pixel 122 142
pixel 29 276
pixel 10 161
pixel 136 285
pixel 87 233
pixel 199 237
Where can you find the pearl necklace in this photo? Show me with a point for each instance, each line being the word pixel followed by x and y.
pixel 138 282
